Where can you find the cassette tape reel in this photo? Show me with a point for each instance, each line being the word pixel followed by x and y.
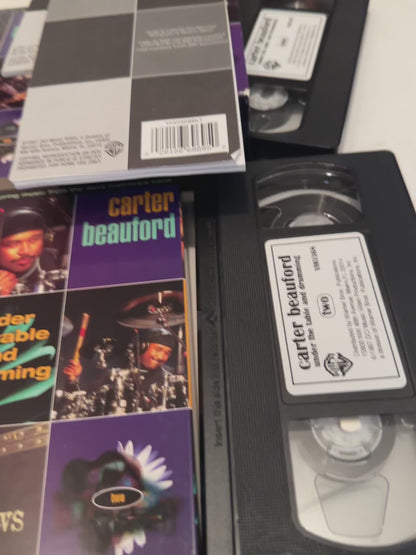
pixel 309 194
pixel 274 109
pixel 353 479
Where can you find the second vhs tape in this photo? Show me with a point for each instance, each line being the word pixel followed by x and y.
pixel 300 57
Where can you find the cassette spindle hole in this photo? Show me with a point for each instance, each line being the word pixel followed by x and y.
pixel 351 439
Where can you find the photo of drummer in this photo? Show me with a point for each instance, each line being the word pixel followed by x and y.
pixel 124 367
pixel 29 260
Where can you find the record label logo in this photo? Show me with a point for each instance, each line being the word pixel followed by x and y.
pixel 113 148
pixel 336 364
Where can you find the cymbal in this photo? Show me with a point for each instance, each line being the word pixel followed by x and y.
pixel 163 308
pixel 67 326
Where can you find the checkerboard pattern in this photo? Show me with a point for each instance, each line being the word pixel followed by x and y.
pixel 104 67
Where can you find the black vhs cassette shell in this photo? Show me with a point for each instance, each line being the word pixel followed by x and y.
pixel 304 114
pixel 292 467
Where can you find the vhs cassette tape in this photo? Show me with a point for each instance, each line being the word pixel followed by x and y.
pixel 306 322
pixel 300 58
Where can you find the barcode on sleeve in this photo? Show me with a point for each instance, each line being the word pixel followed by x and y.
pixel 172 138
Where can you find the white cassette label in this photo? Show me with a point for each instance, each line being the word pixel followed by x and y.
pixel 333 329
pixel 284 44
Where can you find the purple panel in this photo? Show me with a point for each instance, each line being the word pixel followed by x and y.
pixel 65 532
pixel 239 60
pixel 9 120
pixel 139 242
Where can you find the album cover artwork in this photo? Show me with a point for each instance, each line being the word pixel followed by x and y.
pixel 94 327
pixel 119 486
pixel 9 127
pixel 23 454
pixel 123 235
pixel 126 362
pixel 21 54
pixel 13 91
pixel 29 344
pixel 11 14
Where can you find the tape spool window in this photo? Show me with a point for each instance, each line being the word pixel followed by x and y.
pixel 281 55
pixel 353 476
pixel 307 195
pixel 275 109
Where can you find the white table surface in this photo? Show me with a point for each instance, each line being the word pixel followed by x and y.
pixel 382 109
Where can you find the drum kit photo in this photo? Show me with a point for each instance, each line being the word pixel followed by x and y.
pixel 122 392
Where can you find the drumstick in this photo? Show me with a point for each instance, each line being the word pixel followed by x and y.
pixel 84 325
